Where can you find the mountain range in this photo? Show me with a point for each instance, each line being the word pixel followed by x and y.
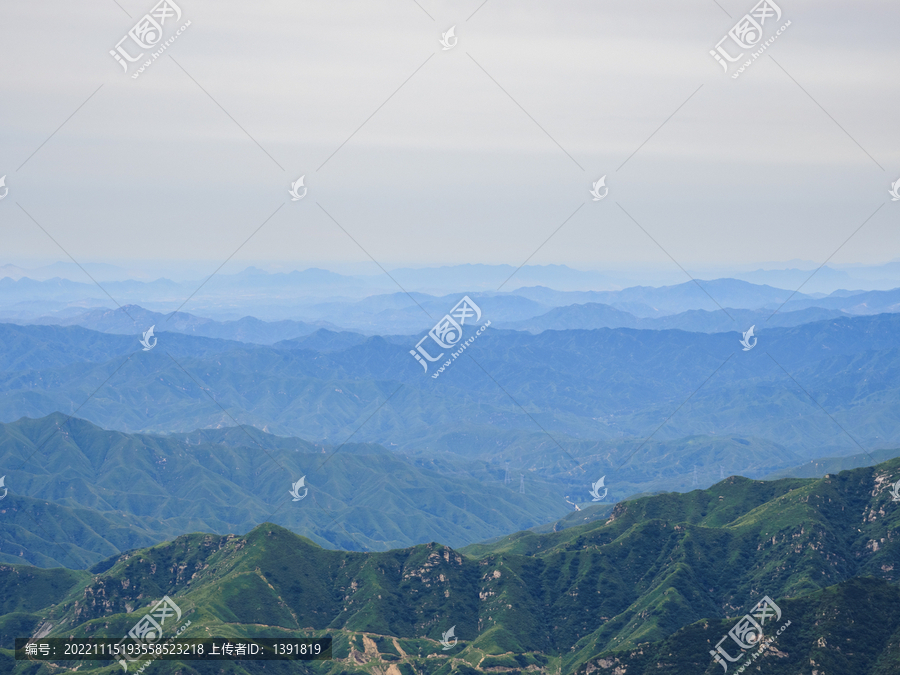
pixel 133 319
pixel 653 588
pixel 592 315
pixel 318 434
pixel 481 277
pixel 822 388
pixel 318 298
pixel 78 493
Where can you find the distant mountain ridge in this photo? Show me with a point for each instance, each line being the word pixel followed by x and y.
pixel 591 316
pixel 608 385
pixel 287 313
pixel 484 277
pixel 700 294
pixel 133 319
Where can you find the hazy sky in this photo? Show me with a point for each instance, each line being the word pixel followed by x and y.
pixel 475 154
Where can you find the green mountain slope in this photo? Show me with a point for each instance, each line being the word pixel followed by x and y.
pixel 651 589
pixel 79 494
pixel 851 628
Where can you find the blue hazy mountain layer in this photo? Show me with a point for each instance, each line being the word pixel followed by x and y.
pixel 811 389
pixel 326 299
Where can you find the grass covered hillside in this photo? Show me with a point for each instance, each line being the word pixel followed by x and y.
pixel 651 589
pixel 79 494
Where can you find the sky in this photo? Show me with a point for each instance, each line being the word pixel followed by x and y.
pixel 416 155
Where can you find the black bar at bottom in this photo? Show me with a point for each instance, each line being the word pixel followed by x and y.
pixel 173 649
